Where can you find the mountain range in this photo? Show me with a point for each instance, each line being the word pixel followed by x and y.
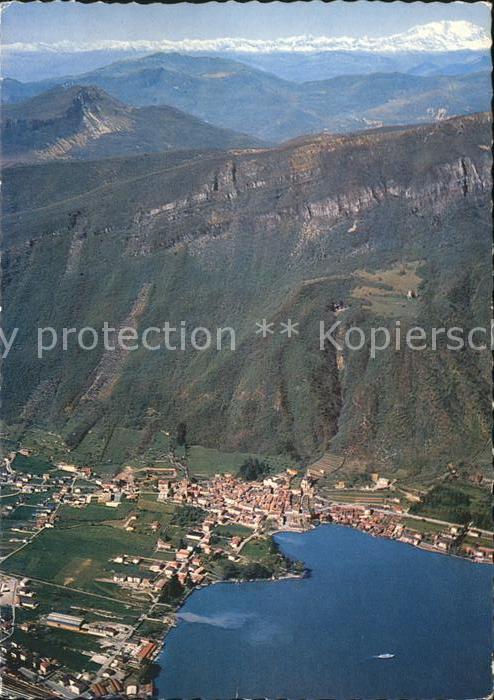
pixel 323 228
pixel 437 46
pixel 321 65
pixel 440 36
pixel 232 95
pixel 85 122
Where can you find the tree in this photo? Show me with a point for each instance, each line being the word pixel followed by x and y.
pixel 182 434
pixel 253 469
pixel 173 591
pixel 247 572
pixel 188 516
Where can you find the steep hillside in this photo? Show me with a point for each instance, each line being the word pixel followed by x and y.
pixel 219 240
pixel 85 122
pixel 235 96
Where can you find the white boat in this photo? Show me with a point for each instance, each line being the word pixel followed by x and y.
pixel 384 656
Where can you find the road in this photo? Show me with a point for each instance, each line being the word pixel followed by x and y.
pixel 38 532
pixel 76 590
pixel 8 495
pixel 423 518
pixel 118 645
pixel 488 533
pixel 247 539
pixel 117 648
pixel 14 593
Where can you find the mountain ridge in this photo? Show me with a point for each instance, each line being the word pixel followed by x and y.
pixel 232 95
pixel 227 239
pixel 85 122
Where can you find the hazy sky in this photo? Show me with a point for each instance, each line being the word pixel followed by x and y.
pixel 72 21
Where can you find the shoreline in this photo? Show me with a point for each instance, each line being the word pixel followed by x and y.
pixel 430 550
pixel 288 575
pixel 305 573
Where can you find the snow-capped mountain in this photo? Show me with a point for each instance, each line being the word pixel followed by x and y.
pixel 439 36
pixel 424 49
pixel 431 37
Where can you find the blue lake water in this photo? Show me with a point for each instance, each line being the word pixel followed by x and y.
pixel 317 637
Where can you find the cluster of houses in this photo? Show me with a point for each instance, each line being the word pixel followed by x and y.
pixel 338 306
pixel 48 487
pixel 111 687
pixel 282 501
pixel 154 574
pixel 23 486
pixel 120 677
pixel 363 518
pixel 15 656
pixel 377 483
pixel 105 493
pixel 382 524
pixel 20 663
pixel 250 503
pixel 226 499
pixel 480 553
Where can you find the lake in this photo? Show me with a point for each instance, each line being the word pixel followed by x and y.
pixel 318 637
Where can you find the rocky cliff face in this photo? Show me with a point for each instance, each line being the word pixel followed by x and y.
pixel 66 120
pixel 229 239
pixel 84 122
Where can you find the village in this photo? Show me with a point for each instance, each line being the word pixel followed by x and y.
pixel 195 532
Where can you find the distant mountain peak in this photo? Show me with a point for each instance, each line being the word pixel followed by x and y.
pixel 84 93
pixel 69 100
pixel 84 121
pixel 444 36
